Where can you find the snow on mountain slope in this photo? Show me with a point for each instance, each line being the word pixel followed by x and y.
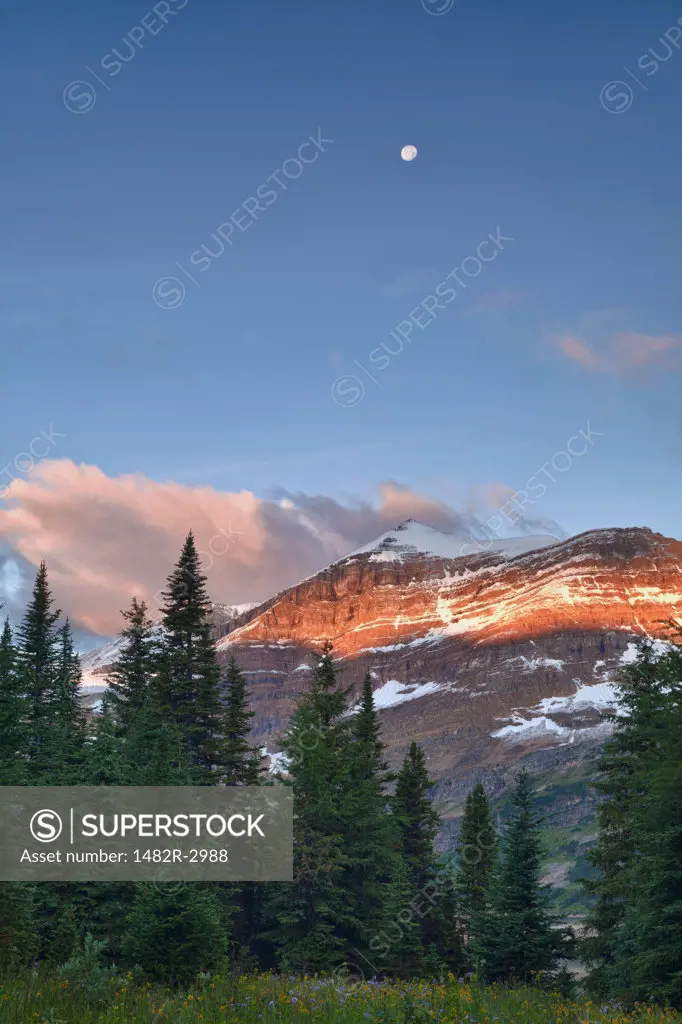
pixel 412 538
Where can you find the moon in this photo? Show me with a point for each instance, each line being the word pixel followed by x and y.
pixel 408 152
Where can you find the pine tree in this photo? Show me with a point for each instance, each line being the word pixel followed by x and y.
pixel 18 936
pixel 174 932
pixel 641 703
pixel 37 663
pixel 189 676
pixel 634 940
pixel 106 759
pixel 397 949
pixel 240 762
pixel 155 749
pixel 131 678
pixel 49 674
pixel 515 936
pixel 418 824
pixel 372 842
pixel 59 919
pixel 12 714
pixel 443 929
pixel 476 853
pixel 313 914
pixel 66 736
pixel 417 820
pixel 240 766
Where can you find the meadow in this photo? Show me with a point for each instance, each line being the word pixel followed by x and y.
pixel 266 999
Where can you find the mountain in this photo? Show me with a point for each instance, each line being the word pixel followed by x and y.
pixel 487 658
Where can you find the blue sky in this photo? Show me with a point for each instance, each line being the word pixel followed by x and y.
pixel 233 388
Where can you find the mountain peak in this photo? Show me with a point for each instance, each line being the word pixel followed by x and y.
pixel 412 538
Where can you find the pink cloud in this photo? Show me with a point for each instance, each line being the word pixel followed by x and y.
pixel 635 350
pixel 106 539
pixel 622 353
pixel 575 348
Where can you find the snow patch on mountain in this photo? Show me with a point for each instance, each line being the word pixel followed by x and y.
pixel 279 762
pixel 524 729
pixel 394 692
pixel 411 538
pixel 534 729
pixel 601 696
pixel 532 664
pixel 631 654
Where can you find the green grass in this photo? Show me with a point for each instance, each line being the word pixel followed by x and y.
pixel 270 999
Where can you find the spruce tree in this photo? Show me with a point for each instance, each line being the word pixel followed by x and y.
pixel 131 677
pixel 175 931
pixel 619 782
pixel 18 935
pixel 189 676
pixel 418 824
pixel 66 736
pixel 313 915
pixel 633 942
pixel 240 766
pixel 443 929
pixel 516 938
pixel 476 853
pixel 155 749
pixel 12 714
pixel 397 948
pixel 37 665
pixel 417 820
pixel 372 840
pixel 240 762
pixel 106 757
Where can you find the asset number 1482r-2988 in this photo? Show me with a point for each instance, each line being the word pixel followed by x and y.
pixel 178 856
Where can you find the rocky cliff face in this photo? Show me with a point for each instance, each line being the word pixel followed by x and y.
pixel 485 658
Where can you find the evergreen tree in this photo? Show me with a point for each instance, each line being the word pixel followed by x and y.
pixel 444 930
pixel 370 751
pixel 397 948
pixel 372 842
pixel 18 936
pixel 189 675
pixel 106 904
pixel 418 824
pixel 515 936
pixel 175 931
pixel 59 919
pixel 240 766
pixel 476 853
pixel 313 914
pixel 131 678
pixel 417 820
pixel 12 714
pixel 37 664
pixel 155 749
pixel 633 940
pixel 240 762
pixel 66 735
pixel 106 761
